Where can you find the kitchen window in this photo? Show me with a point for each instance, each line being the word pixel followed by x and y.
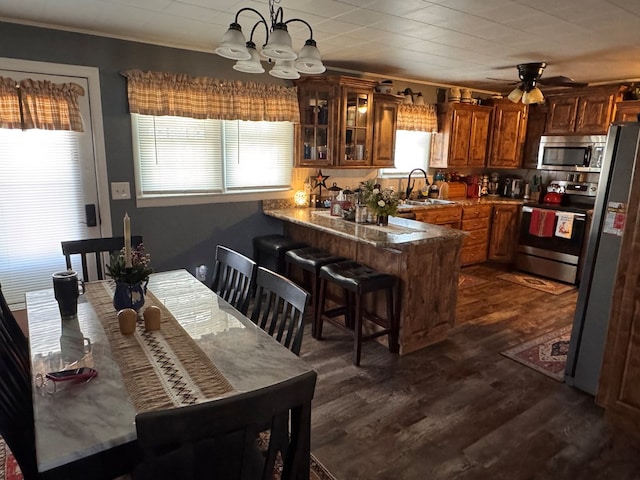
pixel 210 160
pixel 412 151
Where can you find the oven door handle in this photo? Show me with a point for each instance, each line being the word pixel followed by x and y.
pixel 576 216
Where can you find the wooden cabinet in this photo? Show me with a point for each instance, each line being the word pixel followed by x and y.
pixel 586 111
pixel 627 111
pixel 508 132
pixel 384 129
pixel 475 220
pixel 341 124
pixel 536 120
pixel 463 131
pixel 448 216
pixel 504 228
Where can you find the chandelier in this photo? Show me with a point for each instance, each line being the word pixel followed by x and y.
pixel 277 48
pixel 527 91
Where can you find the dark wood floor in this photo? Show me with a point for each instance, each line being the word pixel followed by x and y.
pixel 459 409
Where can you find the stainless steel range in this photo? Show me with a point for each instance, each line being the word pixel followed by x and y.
pixel 552 236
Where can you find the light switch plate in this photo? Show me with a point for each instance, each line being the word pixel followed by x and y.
pixel 120 191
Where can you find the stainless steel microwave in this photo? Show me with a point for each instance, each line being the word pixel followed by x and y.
pixel 572 153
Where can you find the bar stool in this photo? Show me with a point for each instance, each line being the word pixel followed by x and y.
pixel 311 259
pixel 274 247
pixel 357 280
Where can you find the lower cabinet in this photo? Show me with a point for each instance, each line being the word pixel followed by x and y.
pixel 449 216
pixel 475 220
pixel 504 230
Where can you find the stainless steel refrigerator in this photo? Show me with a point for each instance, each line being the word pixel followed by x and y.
pixel 591 320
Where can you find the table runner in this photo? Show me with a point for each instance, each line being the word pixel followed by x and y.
pixel 163 368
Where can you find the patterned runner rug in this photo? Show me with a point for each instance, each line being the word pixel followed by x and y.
pixel 538 283
pixel 467 280
pixel 546 354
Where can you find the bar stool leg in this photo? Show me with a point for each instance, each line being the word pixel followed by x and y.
pixel 393 323
pixel 357 334
pixel 320 310
pixel 315 300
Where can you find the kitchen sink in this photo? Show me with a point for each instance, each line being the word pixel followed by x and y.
pixel 428 201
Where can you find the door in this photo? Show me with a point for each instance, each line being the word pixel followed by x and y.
pixel 48 183
pixel 459 138
pixel 562 115
pixel 594 112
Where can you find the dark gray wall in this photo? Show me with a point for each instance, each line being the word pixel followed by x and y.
pixel 176 237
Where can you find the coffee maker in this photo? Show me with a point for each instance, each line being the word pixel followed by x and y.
pixel 512 187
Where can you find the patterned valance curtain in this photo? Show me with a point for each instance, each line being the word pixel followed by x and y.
pixel 157 93
pixel 417 117
pixel 9 104
pixel 40 104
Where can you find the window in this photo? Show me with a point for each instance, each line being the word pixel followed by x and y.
pixel 412 151
pixel 179 156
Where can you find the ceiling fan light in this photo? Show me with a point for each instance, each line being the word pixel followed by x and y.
pixel 284 69
pixel 515 95
pixel 233 44
pixel 279 45
pixel 309 60
pixel 532 96
pixel 252 65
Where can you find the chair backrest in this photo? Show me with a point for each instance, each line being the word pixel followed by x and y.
pixel 96 246
pixel 220 438
pixel 233 277
pixel 279 307
pixel 16 411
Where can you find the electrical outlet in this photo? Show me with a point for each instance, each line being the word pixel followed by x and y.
pixel 120 191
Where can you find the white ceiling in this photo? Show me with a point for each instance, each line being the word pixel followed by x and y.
pixel 452 42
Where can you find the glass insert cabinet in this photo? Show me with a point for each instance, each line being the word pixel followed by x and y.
pixel 337 124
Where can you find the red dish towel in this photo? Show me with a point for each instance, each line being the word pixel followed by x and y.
pixel 542 222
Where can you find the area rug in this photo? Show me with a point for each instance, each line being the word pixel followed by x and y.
pixel 546 354
pixel 538 283
pixel 317 471
pixel 467 280
pixel 9 469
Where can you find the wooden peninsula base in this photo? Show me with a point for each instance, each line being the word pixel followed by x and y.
pixel 425 258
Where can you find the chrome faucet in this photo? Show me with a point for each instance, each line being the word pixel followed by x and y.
pixel 410 186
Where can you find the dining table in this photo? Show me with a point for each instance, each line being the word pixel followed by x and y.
pixel 204 350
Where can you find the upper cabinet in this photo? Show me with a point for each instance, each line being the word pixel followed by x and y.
pixel 508 133
pixel 341 124
pixel 627 111
pixel 587 111
pixel 463 132
pixel 384 129
pixel 536 121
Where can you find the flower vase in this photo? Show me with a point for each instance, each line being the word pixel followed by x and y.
pixel 129 295
pixel 383 220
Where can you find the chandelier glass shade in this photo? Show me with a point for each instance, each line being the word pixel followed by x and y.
pixel 277 48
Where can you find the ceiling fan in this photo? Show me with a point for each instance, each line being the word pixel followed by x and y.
pixel 530 75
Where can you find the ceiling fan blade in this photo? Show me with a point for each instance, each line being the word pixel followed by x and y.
pixel 561 81
pixel 503 80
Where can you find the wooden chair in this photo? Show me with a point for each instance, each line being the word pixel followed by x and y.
pixel 279 308
pixel 233 277
pixel 16 411
pixel 219 438
pixel 97 246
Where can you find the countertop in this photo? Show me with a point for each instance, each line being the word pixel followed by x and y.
pixel 464 202
pixel 399 232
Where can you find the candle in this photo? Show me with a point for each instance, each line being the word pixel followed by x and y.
pixel 127 241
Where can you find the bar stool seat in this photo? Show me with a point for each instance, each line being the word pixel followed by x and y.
pixel 274 246
pixel 357 280
pixel 311 259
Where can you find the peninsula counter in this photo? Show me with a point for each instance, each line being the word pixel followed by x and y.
pixel 425 258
